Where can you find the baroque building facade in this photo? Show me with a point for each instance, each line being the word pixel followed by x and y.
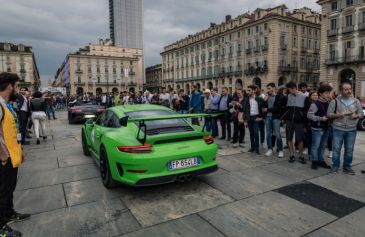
pixel 101 68
pixel 268 45
pixel 20 59
pixel 343 43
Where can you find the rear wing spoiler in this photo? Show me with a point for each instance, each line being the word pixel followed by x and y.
pixel 142 125
pixel 173 116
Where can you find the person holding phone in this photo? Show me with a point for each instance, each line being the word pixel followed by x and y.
pixel 345 111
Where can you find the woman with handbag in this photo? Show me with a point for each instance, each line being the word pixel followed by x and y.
pixel 238 119
pixel 38 108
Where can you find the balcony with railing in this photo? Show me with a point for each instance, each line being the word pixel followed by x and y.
pixel 283 46
pixel 132 83
pixel 78 71
pixel 347 29
pixel 255 70
pixel 131 73
pixel 361 26
pixel 248 51
pixel 264 47
pixel 346 59
pixel 287 69
pixel 79 83
pixel 332 32
pixel 256 49
pixel 23 71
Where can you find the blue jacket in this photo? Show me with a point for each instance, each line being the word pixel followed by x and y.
pixel 195 102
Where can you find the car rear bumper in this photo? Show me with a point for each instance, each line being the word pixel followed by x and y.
pixel 174 177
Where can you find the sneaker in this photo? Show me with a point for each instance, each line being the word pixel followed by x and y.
pixel 302 160
pixel 17 217
pixel 314 165
pixel 235 145
pixel 251 150
pixel 268 153
pixel 292 159
pixel 241 145
pixel 349 171
pixel 323 164
pixel 38 142
pixel 44 137
pixel 305 151
pixel 281 154
pixel 330 155
pixel 6 231
pixel 334 170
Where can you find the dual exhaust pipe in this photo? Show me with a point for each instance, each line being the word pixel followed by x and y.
pixel 185 178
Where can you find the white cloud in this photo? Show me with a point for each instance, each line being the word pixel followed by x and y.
pixel 55 28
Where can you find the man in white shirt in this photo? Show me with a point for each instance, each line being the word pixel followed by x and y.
pixel 165 98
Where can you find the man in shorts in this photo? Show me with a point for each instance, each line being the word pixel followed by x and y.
pixel 295 118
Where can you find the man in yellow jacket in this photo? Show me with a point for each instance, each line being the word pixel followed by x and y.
pixel 11 154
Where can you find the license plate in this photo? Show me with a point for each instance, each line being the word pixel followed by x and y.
pixel 90 116
pixel 184 163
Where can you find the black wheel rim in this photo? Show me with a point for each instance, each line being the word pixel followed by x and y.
pixel 103 166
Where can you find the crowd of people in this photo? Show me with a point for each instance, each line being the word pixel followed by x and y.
pixel 314 120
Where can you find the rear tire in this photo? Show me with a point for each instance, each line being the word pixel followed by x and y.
pixel 105 172
pixel 85 147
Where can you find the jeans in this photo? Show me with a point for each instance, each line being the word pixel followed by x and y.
pixel 238 131
pixel 208 123
pixel 214 125
pixel 319 142
pixel 262 131
pixel 226 123
pixel 195 121
pixel 348 139
pixel 253 126
pixel 273 128
pixel 50 110
pixel 8 180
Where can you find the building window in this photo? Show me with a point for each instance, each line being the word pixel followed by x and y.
pixel 349 20
pixel 334 6
pixel 265 26
pixel 249 31
pixel 333 24
pixel 257 29
pixel 295 29
pixel 98 79
pixel 303 30
pixel 239 34
pixel 349 2
pixel 348 44
pixel 78 79
pixel 363 17
pixel 295 43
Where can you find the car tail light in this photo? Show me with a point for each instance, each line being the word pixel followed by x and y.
pixel 135 149
pixel 76 111
pixel 100 110
pixel 208 140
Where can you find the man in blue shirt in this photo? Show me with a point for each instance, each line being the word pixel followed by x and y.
pixel 225 119
pixel 195 103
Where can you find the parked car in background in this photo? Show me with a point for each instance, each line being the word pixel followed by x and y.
pixel 81 112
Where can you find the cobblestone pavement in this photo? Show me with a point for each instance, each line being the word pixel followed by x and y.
pixel 250 195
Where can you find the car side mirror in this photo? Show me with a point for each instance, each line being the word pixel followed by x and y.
pixel 123 121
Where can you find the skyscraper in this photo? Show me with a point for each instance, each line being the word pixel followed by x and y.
pixel 126 23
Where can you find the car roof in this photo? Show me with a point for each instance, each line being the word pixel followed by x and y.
pixel 121 110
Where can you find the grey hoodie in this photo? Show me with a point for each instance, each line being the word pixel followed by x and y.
pixel 345 124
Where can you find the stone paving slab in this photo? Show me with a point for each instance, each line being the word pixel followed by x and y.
pixel 349 226
pixel 67 161
pixel 346 185
pixel 269 214
pixel 39 200
pixel 56 176
pixel 247 183
pixel 189 226
pixel 105 218
pixel 89 190
pixel 155 205
pixel 40 164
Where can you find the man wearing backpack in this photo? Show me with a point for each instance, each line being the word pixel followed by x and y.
pixel 345 111
pixel 10 154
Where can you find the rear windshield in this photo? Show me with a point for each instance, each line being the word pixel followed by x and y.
pixel 161 126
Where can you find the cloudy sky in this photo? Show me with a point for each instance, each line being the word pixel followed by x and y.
pixel 56 27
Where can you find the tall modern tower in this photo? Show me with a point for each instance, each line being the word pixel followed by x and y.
pixel 126 23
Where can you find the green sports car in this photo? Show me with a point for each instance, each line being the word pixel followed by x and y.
pixel 143 145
